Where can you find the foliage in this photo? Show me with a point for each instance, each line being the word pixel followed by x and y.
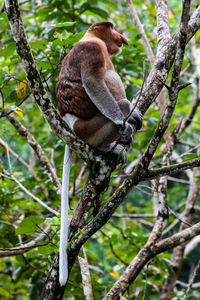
pixel 53 27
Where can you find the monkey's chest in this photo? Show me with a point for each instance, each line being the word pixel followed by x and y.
pixel 115 85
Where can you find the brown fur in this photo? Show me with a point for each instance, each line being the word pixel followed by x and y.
pixel 105 32
pixel 92 56
pixel 88 67
pixel 71 96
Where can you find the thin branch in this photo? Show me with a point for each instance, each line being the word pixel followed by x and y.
pixel 38 149
pixel 141 32
pixel 22 187
pixel 145 254
pixel 196 270
pixel 5 145
pixel 85 274
pixel 133 216
pixel 78 181
pixel 172 169
pixel 4 114
pixel 186 220
pixel 26 247
pixel 195 285
pixel 112 249
pixel 196 101
pixel 192 245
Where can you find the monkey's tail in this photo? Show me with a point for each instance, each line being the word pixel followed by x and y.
pixel 64 228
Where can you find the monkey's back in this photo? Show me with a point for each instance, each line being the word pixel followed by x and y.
pixel 70 94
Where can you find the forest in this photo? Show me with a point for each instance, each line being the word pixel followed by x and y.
pixel 136 223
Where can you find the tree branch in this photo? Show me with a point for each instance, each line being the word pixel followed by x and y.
pixel 25 247
pixel 38 149
pixel 163 33
pixel 146 253
pixel 141 32
pixel 5 145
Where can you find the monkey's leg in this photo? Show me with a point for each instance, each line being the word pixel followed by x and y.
pixel 97 131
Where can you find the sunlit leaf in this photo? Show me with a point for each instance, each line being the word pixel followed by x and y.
pixel 114 274
pixel 21 90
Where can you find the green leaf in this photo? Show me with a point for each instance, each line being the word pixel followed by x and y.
pixel 65 24
pixel 29 225
pixel 93 190
pixel 70 212
pixel 94 9
pixel 74 38
pixel 81 232
pixel 39 44
pixel 46 250
pixel 189 156
pixel 5 293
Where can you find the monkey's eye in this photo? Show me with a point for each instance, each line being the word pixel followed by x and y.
pixel 95 27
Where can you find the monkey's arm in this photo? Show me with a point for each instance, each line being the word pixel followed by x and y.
pixel 102 99
pixel 93 72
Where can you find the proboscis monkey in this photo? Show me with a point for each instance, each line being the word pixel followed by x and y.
pixel 92 100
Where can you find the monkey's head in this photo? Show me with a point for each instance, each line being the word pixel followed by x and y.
pixel 105 31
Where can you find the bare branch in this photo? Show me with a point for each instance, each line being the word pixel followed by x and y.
pixel 172 169
pixel 22 187
pixel 145 254
pixel 5 145
pixel 163 33
pixel 192 245
pixel 194 24
pixel 85 274
pixel 178 252
pixel 141 32
pixel 38 149
pixel 183 124
pixel 26 247
pixel 196 270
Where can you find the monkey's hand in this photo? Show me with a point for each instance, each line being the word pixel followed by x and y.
pixel 136 119
pixel 125 133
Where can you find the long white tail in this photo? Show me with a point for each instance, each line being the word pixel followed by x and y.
pixel 64 228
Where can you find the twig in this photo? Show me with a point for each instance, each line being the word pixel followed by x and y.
pixel 167 87
pixel 178 217
pixel 183 86
pixel 5 145
pixel 195 285
pixel 133 216
pixel 141 32
pixel 38 149
pixel 196 270
pixel 25 247
pixel 4 114
pixel 10 176
pixel 112 249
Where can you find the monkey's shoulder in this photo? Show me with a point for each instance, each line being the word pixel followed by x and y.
pixel 90 46
pixel 89 51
